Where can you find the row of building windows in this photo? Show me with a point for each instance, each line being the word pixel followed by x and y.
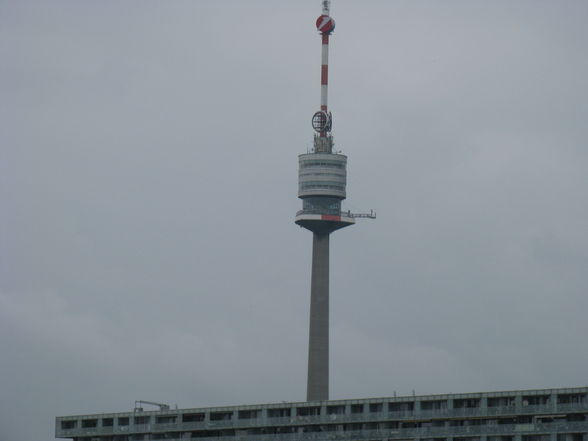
pixel 576 436
pixel 331 410
pixel 338 409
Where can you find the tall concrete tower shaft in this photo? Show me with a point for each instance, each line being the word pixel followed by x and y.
pixel 322 180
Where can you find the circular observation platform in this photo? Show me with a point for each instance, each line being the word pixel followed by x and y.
pixel 323 223
pixel 322 175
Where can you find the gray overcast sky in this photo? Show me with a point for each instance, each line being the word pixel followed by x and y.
pixel 148 189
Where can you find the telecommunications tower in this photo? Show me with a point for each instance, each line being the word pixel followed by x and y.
pixel 322 178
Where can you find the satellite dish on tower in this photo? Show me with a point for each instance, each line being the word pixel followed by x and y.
pixel 322 121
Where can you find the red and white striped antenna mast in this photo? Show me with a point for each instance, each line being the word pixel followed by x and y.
pixel 322 120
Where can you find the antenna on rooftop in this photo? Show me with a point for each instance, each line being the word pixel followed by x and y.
pixel 139 403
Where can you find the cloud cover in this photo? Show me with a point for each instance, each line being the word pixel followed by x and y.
pixel 149 184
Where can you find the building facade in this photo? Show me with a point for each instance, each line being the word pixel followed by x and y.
pixel 525 415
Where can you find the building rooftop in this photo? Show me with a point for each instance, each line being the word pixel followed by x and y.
pixel 441 416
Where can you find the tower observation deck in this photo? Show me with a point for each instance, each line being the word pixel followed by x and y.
pixel 322 182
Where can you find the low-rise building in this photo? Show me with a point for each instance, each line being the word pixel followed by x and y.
pixel 524 415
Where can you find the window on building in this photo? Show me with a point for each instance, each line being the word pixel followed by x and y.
pixel 161 436
pixel 466 403
pixel 335 410
pixel 221 416
pixel 571 437
pixel 332 427
pixel 279 413
pixel 166 419
pixel 89 423
pixel 434 405
pixel 144 419
pixel 286 429
pixel 308 411
pixel 539 437
pixel 248 414
pixel 352 427
pixel 500 438
pixel 401 406
pixel 500 401
pixel 356 408
pixel 260 431
pixel 535 400
pixel 376 407
pixel 123 421
pixel 192 417
pixel 66 425
pixel 205 434
pixel 107 422
pixel 571 398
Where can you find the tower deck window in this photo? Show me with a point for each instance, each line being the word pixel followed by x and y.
pixel 123 421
